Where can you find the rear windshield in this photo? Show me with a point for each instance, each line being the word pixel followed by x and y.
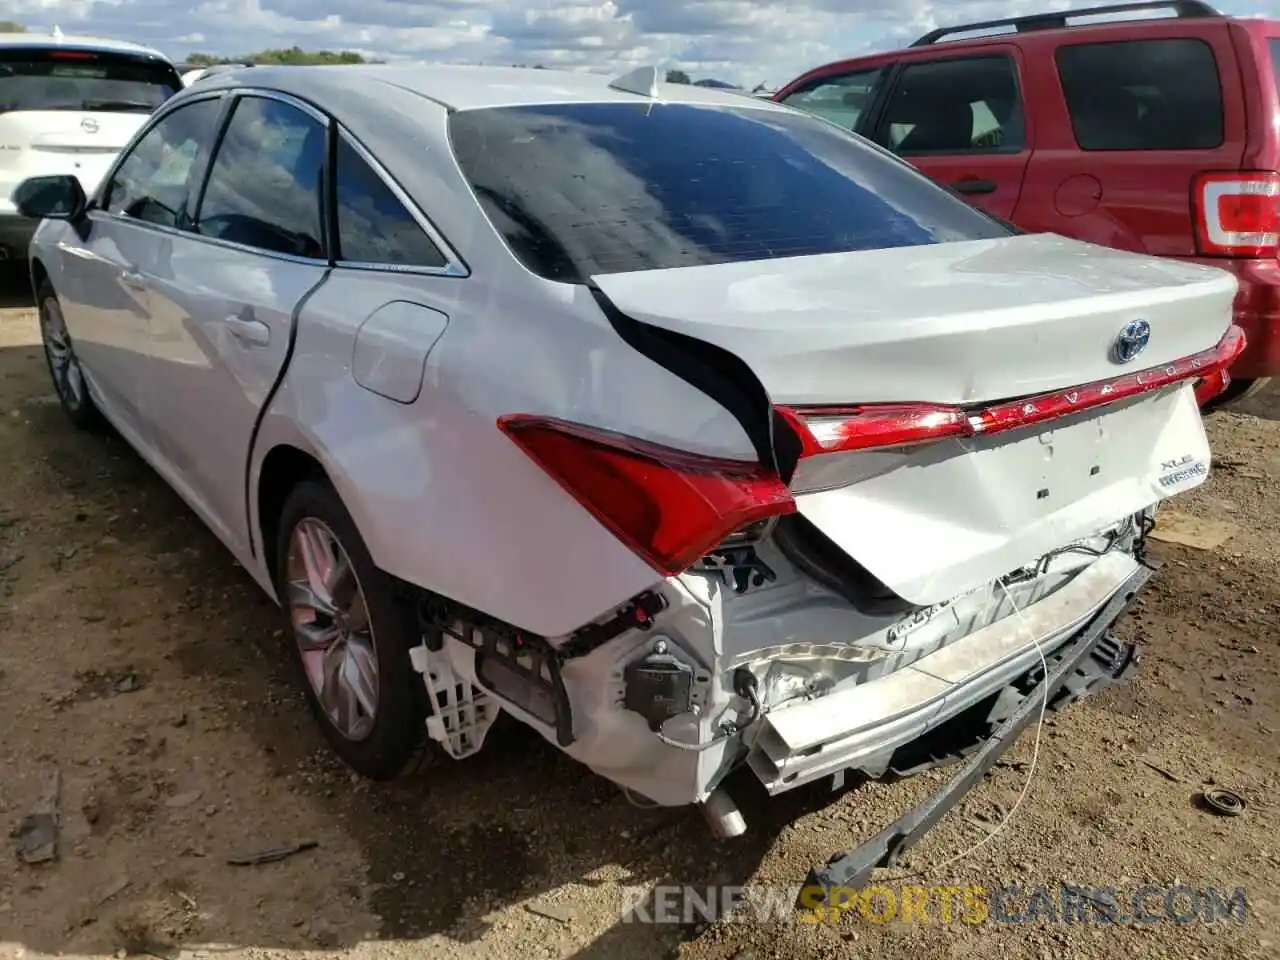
pixel 599 188
pixel 83 80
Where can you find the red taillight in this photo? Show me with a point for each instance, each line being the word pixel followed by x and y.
pixel 834 430
pixel 71 55
pixel 670 507
pixel 1212 386
pixel 1050 406
pixel 1237 214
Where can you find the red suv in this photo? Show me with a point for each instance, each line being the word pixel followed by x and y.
pixel 1159 135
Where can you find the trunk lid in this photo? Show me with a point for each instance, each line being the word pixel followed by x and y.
pixel 955 323
pixel 935 521
pixel 963 324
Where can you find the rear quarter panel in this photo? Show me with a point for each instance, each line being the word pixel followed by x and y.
pixel 443 499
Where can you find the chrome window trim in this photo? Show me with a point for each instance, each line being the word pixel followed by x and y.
pixel 453 266
pixel 235 94
pixel 261 93
pixel 286 98
pixel 213 241
pixel 144 131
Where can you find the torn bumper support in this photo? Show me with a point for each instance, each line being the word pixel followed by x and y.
pixel 1089 662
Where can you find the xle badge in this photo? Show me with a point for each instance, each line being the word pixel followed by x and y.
pixel 1186 471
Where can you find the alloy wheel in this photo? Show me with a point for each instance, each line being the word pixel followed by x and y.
pixel 332 628
pixel 68 379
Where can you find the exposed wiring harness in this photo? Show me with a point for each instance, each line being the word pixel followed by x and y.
pixel 746 686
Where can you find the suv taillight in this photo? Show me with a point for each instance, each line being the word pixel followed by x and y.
pixel 1237 214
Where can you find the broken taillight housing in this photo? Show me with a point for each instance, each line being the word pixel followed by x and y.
pixel 669 506
pixel 847 429
pixel 875 426
pixel 746 536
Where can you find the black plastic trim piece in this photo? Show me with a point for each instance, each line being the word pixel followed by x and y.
pixel 854 869
pixel 721 375
pixel 435 618
pixel 1183 9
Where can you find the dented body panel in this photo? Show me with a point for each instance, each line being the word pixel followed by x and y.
pixel 850 602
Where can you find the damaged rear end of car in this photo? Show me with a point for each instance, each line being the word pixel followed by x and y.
pixel 960 438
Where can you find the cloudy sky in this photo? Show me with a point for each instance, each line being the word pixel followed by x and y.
pixel 747 41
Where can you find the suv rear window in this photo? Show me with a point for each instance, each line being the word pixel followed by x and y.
pixel 1274 46
pixel 597 188
pixel 1143 94
pixel 39 79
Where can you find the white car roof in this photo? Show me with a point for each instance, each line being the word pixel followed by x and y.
pixel 45 41
pixel 460 87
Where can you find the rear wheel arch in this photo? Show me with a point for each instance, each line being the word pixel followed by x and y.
pixel 392 739
pixel 283 468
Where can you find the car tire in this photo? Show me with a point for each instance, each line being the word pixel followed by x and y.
pixel 389 740
pixel 64 365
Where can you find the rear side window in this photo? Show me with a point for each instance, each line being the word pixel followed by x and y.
pixel 1274 46
pixel 373 225
pixel 38 79
pixel 842 99
pixel 1143 94
pixel 266 183
pixel 956 106
pixel 597 188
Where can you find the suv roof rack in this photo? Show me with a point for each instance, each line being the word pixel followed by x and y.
pixel 1058 19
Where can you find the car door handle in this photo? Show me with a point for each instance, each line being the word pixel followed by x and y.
pixel 974 186
pixel 249 331
pixel 133 279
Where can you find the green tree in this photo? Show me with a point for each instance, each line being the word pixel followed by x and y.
pixel 677 76
pixel 292 56
pixel 8 26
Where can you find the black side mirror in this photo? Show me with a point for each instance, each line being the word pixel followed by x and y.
pixel 55 198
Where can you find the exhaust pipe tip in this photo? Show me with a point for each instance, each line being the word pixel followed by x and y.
pixel 723 816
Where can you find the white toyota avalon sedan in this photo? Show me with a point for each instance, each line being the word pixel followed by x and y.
pixel 692 431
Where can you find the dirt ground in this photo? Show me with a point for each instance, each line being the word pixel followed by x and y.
pixel 145 669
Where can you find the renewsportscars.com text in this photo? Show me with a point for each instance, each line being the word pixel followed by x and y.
pixel 969 904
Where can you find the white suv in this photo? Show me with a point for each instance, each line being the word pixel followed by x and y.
pixel 69 105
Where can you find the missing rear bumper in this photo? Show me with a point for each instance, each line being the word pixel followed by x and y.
pixel 1090 661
